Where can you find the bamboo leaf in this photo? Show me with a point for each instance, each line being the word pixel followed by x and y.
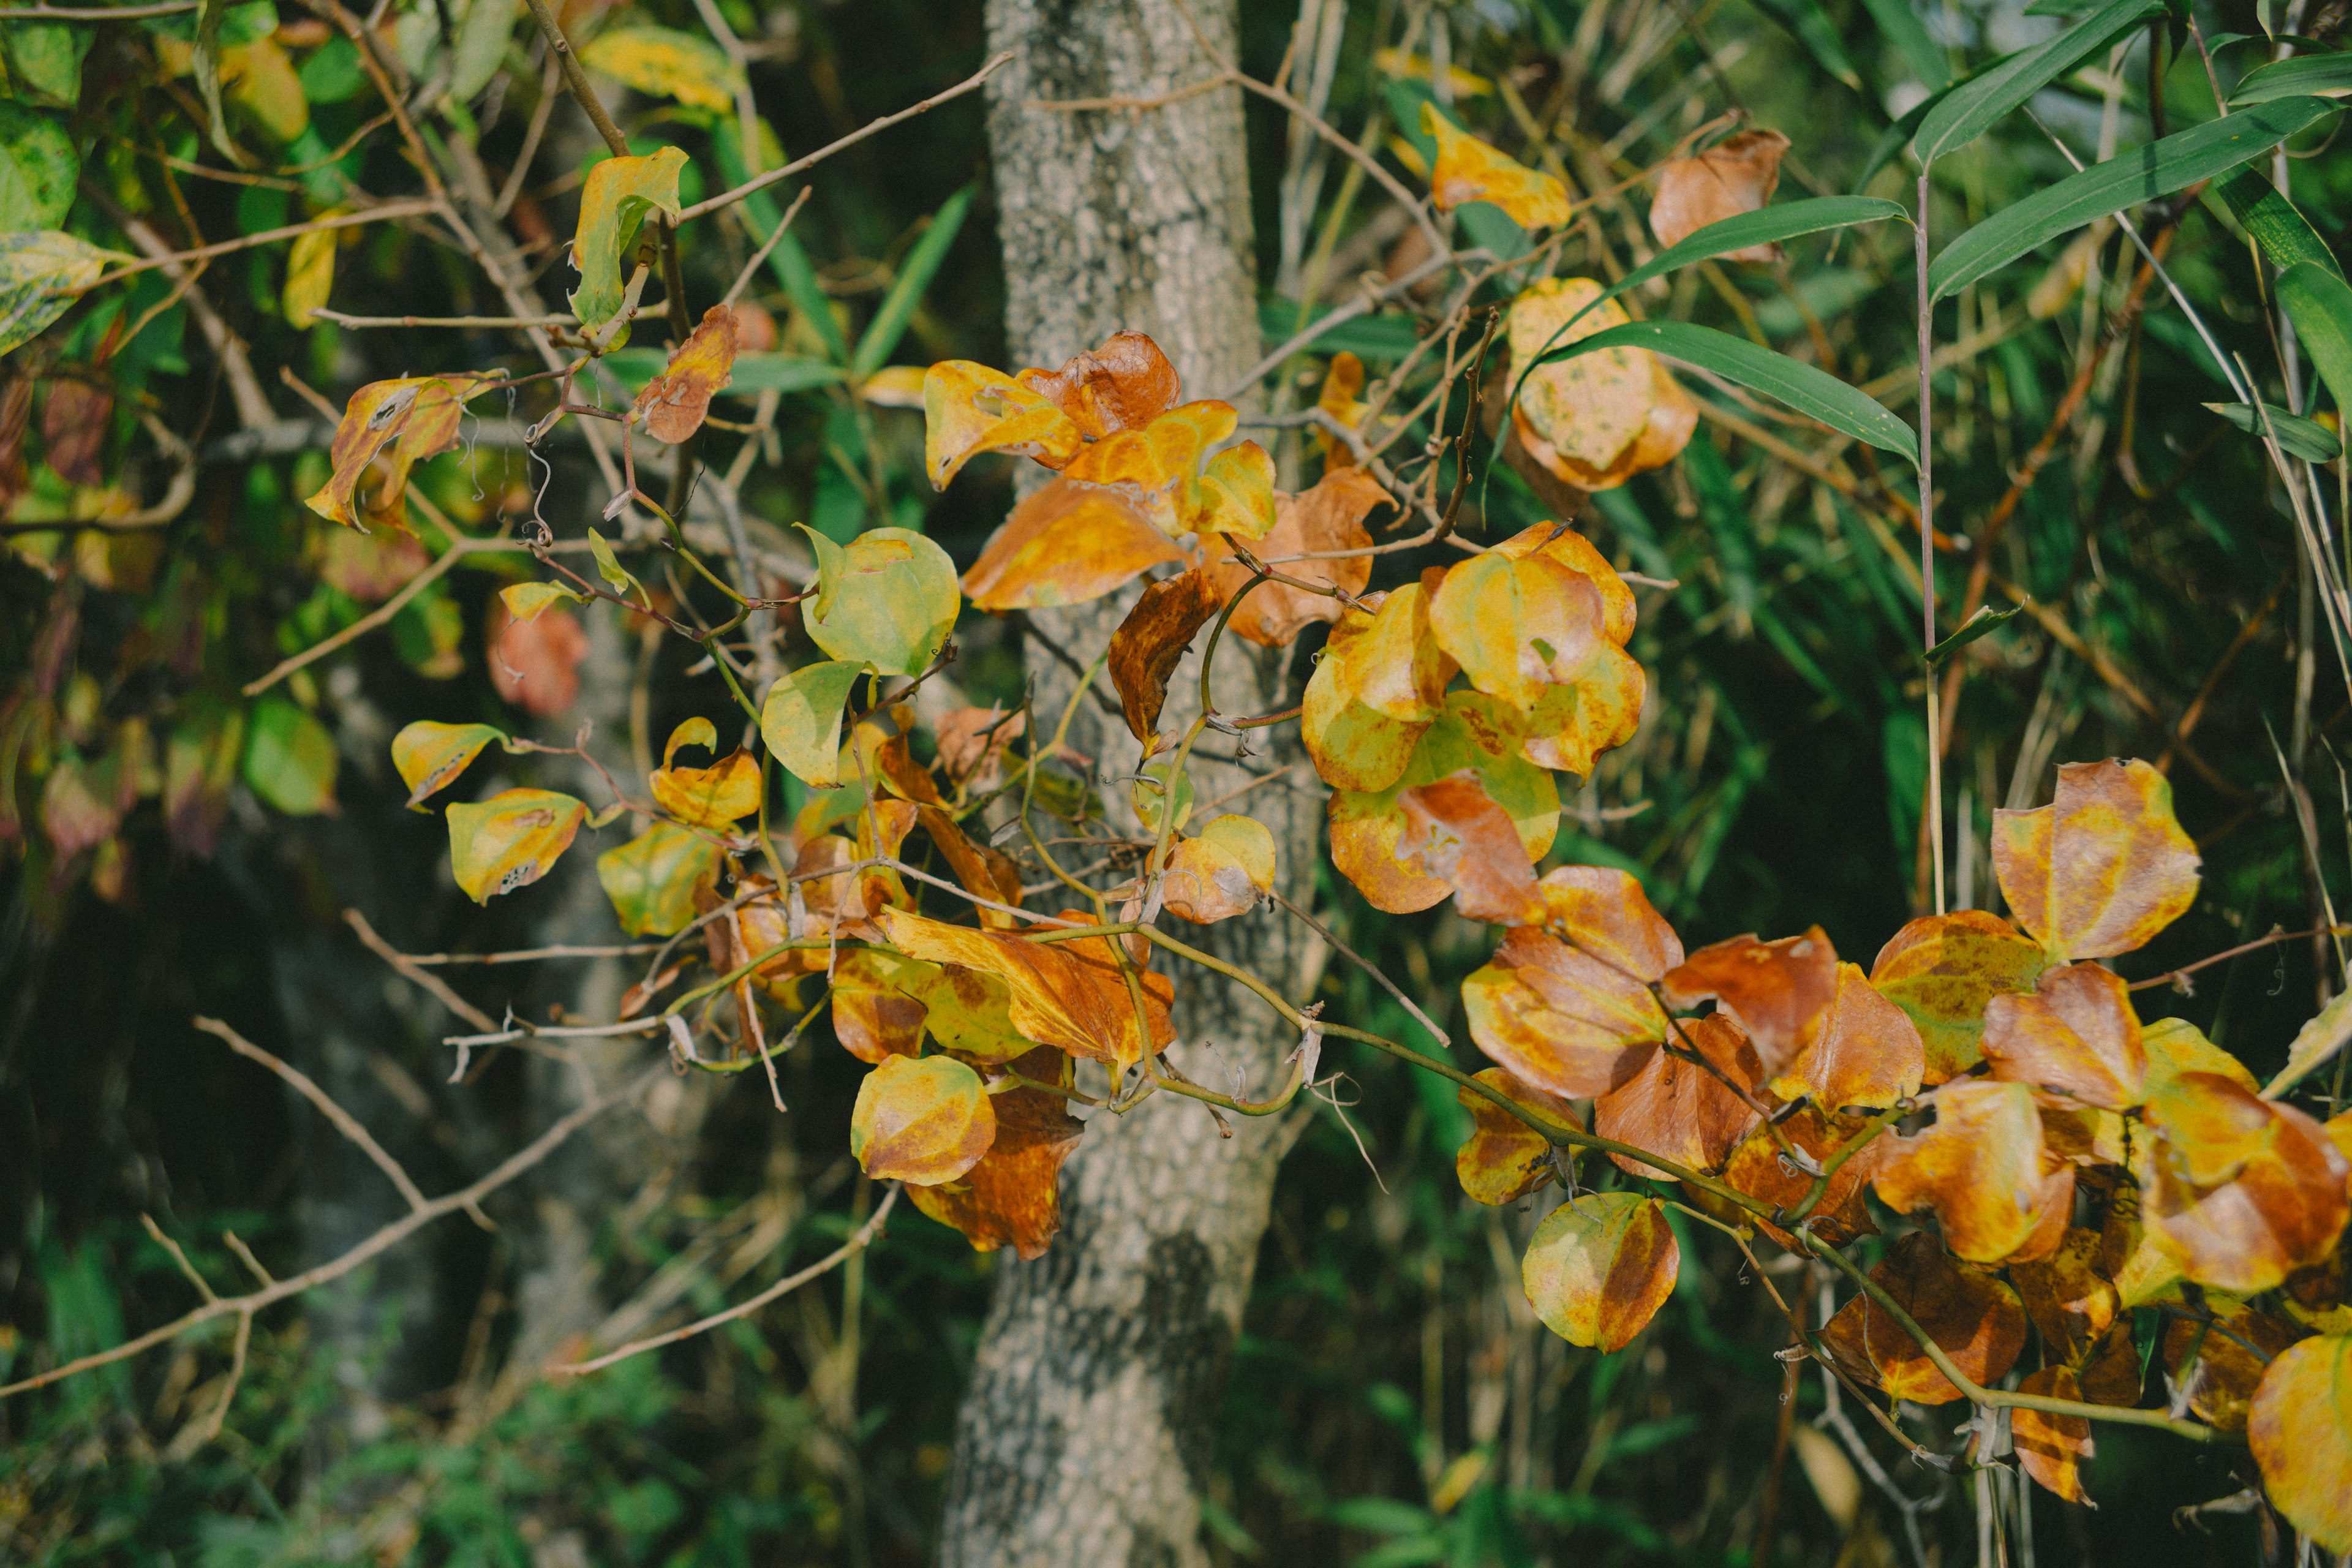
pixel 1813 393
pixel 2304 75
pixel 1901 27
pixel 1976 625
pixel 1809 26
pixel 1974 107
pixel 2139 175
pixel 2281 231
pixel 922 264
pixel 1765 225
pixel 2319 303
pixel 2306 438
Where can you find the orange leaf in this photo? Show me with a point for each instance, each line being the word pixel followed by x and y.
pixel 2076 1035
pixel 759 924
pixel 1599 1268
pixel 1327 516
pixel 1778 990
pixel 872 1017
pixel 1337 398
pixel 2240 1192
pixel 1011 1198
pixel 2102 868
pixel 1069 995
pixel 921 1120
pixel 1596 420
pixel 713 798
pixel 2068 1294
pixel 1980 1167
pixel 1066 545
pixel 2051 1447
pixel 2301 1431
pixel 1145 649
pixel 1560 1018
pixel 1735 176
pixel 1864 1050
pixel 1971 1316
pixel 1467 170
pixel 674 403
pixel 2231 1355
pixel 1124 384
pixel 1225 870
pixel 1677 1110
pixel 403 421
pixel 535 664
pixel 1504 1159
pixel 1454 831
pixel 1158 468
pixel 1943 970
pixel 1758 1168
pixel 968 409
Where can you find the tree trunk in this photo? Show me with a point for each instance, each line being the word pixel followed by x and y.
pixel 1086 1434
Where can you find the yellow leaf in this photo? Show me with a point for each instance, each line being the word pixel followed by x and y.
pixel 666 63
pixel 652 878
pixel 2103 867
pixel 310 273
pixel 1225 870
pixel 1469 171
pixel 921 1120
pixel 510 840
pixel 713 798
pixel 2300 1432
pixel 401 422
pixel 617 196
pixel 1599 1268
pixel 428 756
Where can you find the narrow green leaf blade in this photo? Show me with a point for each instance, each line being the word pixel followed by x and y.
pixel 1809 26
pixel 1765 225
pixel 2304 75
pixel 922 264
pixel 2306 438
pixel 2281 231
pixel 1813 393
pixel 2139 175
pixel 1901 27
pixel 2319 303
pixel 1898 135
pixel 1976 625
pixel 1984 99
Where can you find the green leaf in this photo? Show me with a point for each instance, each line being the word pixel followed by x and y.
pixel 2306 438
pixel 1903 28
pixel 430 755
pixel 618 195
pixel 1373 339
pixel 752 373
pixel 652 878
pixel 1808 25
pixel 2281 232
pixel 208 83
pixel 2316 75
pixel 888 598
pixel 1976 625
pixel 37 170
pixel 2319 303
pixel 44 62
pixel 1813 393
pixel 616 576
pixel 1978 104
pixel 524 601
pixel 2139 175
pixel 481 47
pixel 289 759
pixel 510 840
pixel 801 720
pixel 915 274
pixel 1765 225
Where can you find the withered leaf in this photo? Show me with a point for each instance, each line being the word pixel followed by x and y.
pixel 1972 1317
pixel 1504 1159
pixel 1735 176
pixel 1864 1051
pixel 1328 516
pixel 2068 1294
pixel 1677 1110
pixel 2233 1353
pixel 2076 1035
pixel 1778 990
pixel 1124 384
pixel 2051 1447
pixel 1454 832
pixel 2240 1191
pixel 1011 1197
pixel 1561 1019
pixel 1758 1168
pixel 1066 545
pixel 675 402
pixel 1148 645
pixel 1943 970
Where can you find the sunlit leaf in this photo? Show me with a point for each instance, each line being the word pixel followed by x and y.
pixel 2102 868
pixel 1599 1268
pixel 2176 1045
pixel 1155 635
pixel 1735 176
pixel 968 409
pixel 1123 385
pixel 874 1016
pixel 1237 497
pixel 2076 1035
pixel 1575 1016
pixel 524 601
pixel 665 63
pixel 1504 1159
pixel 1472 732
pixel 713 798
pixel 1779 991
pixel 675 402
pixel 1467 170
pixel 2050 1448
pixel 801 720
pixel 1972 1317
pixel 1341 383
pixel 1327 516
pixel 983 871
pixel 2300 1432
pixel 888 598
pixel 1225 870
pixel 2315 74
pixel 618 196
pixel 43 272
pixel 1975 105
pixel 1454 832
pixel 1862 1051
pixel 652 878
pixel 1011 1197
pixel 921 1120
pixel 1980 1167
pixel 310 269
pixel 429 755
pixel 1379 686
pixel 401 423
pixel 1069 995
pixel 1594 420
pixel 1677 1110
pixel 2240 1191
pixel 510 840
pixel 1165 472
pixel 1065 544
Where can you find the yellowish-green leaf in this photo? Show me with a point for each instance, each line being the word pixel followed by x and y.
pixel 43 272
pixel 430 754
pixel 923 1120
pixel 652 878
pixel 510 840
pixel 1599 1268
pixel 617 196
pixel 616 576
pixel 666 63
pixel 801 720
pixel 889 599
pixel 524 601
pixel 310 275
pixel 289 759
pixel 2300 1427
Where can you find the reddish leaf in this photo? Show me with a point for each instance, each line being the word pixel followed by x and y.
pixel 2102 868
pixel 1454 831
pixel 1066 545
pixel 873 1018
pixel 1605 914
pixel 675 402
pixel 1328 517
pixel 972 742
pixel 535 663
pixel 1011 1197
pixel 1778 990
pixel 1148 645
pixel 1735 176
pixel 2051 1447
pixel 2076 1035
pixel 73 428
pixel 1972 1317
pixel 2240 1192
pixel 1504 1159
pixel 1124 384
pixel 1677 1110
pixel 1943 970
pixel 1223 870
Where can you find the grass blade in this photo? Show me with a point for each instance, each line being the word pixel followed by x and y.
pixel 2302 76
pixel 2284 235
pixel 1976 105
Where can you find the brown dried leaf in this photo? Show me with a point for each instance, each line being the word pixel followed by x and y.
pixel 2076 1035
pixel 1779 991
pixel 1864 1051
pixel 1971 1316
pixel 1148 645
pixel 1124 384
pixel 2068 1295
pixel 1225 870
pixel 1677 1110
pixel 1454 831
pixel 1758 1168
pixel 1562 1019
pixel 2051 1447
pixel 873 1018
pixel 73 429
pixel 972 742
pixel 1328 516
pixel 675 402
pixel 2232 1353
pixel 1735 176
pixel 981 869
pixel 1011 1198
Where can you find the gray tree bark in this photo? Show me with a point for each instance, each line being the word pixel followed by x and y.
pixel 1086 1434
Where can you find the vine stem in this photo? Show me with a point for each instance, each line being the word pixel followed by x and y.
pixel 1927 542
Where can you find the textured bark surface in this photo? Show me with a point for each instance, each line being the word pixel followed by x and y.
pixel 1085 1435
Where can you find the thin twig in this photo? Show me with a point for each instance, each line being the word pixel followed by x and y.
pixel 438 987
pixel 307 1088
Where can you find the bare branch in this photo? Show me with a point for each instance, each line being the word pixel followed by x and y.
pixel 345 1123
